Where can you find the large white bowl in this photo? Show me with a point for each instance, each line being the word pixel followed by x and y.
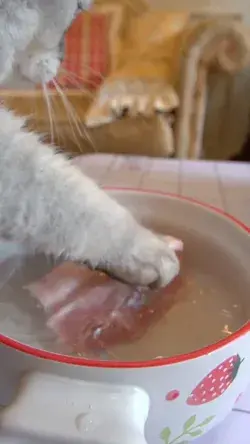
pixel 178 398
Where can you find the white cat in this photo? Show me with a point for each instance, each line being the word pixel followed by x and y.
pixel 45 202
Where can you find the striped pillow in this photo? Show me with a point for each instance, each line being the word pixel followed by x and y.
pixel 86 56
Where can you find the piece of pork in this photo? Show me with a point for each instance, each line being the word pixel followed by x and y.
pixel 89 311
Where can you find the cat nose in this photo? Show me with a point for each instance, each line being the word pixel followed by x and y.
pixel 41 67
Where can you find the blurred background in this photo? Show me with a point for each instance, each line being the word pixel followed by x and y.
pixel 160 78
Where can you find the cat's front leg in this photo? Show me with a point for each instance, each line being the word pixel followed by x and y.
pixel 50 205
pixel 139 256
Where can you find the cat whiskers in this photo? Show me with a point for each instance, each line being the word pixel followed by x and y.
pixel 53 110
pixel 81 78
pixel 69 114
pixel 74 119
pixel 50 111
pixel 75 81
pixel 53 106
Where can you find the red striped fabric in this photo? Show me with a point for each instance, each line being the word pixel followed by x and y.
pixel 86 58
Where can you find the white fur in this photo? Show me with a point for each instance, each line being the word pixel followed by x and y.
pixel 40 66
pixel 46 203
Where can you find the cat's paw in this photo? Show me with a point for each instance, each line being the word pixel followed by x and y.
pixel 131 96
pixel 148 260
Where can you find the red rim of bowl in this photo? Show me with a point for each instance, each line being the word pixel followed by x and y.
pixel 66 359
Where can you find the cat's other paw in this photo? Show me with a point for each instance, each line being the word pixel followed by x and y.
pixel 147 260
pixel 131 96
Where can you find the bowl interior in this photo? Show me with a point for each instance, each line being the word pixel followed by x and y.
pixel 213 300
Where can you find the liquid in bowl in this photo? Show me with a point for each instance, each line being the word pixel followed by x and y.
pixel 205 305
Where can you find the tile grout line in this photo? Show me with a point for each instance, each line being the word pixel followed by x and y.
pixel 144 174
pixel 109 169
pixel 179 178
pixel 220 187
pixel 95 166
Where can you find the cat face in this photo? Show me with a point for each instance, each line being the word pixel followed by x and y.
pixel 32 35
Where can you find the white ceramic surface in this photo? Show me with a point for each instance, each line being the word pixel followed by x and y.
pixel 74 409
pixel 168 383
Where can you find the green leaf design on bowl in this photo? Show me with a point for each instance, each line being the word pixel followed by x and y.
pixel 207 421
pixel 190 429
pixel 196 433
pixel 165 435
pixel 189 423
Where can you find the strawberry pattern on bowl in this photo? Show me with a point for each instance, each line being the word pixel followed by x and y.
pixel 205 402
pixel 216 382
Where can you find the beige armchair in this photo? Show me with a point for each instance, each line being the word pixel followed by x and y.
pixel 217 49
pixel 184 65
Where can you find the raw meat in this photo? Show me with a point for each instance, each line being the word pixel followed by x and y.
pixel 89 311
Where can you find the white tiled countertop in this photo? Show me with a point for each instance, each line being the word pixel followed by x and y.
pixel 225 185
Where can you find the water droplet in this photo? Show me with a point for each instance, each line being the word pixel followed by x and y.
pixel 79 420
pixel 87 423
